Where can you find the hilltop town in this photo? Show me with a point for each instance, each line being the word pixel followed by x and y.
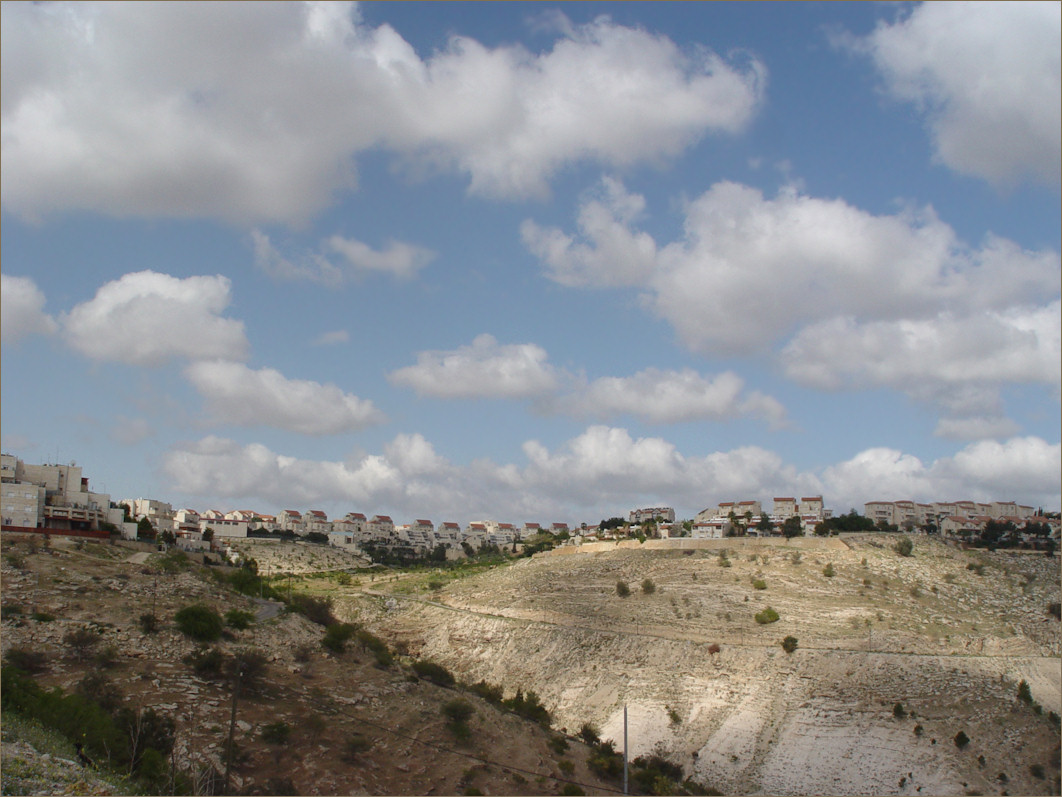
pixel 57 498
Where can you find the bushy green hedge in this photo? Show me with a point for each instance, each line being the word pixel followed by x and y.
pixel 199 622
pixel 132 741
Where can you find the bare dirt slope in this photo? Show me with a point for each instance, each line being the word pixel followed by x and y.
pixel 327 700
pixel 947 634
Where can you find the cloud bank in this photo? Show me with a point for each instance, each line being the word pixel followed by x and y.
pixel 599 472
pixel 258 113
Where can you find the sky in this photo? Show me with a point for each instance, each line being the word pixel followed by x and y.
pixel 533 262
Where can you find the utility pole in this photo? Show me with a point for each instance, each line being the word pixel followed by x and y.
pixel 232 722
pixel 625 749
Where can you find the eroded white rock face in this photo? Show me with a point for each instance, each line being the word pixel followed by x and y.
pixel 751 718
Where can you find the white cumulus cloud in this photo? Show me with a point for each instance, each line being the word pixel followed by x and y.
pixel 338 259
pixel 864 300
pixel 1025 469
pixel 257 113
pixel 671 397
pixel 484 369
pixel 147 318
pixel 22 309
pixel 609 253
pixel 987 77
pixel 239 395
pixel 958 362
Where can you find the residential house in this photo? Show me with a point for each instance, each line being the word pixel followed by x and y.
pixel 291 520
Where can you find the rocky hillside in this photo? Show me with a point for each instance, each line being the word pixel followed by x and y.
pixel 895 657
pixel 313 721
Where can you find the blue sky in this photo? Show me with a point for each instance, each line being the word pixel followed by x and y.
pixel 533 262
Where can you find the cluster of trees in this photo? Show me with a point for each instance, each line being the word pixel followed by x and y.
pixel 1005 534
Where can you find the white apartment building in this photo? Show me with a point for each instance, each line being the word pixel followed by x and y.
pixel 316 520
pixel 55 497
pixel 638 516
pixel 290 520
pixel 900 513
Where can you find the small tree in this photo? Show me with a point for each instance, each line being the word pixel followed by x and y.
pixel 589 733
pixel 898 711
pixel 1024 693
pixel 792 527
pixel 144 529
pixel 904 546
pixel 82 643
pixel 828 571
pixel 622 589
pixel 648 587
pixel 961 740
pixel 789 644
pixel 208 534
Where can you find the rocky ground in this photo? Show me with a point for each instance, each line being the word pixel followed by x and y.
pixel 325 699
pixel 947 634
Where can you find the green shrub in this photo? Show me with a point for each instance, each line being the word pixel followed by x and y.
pixel 458 712
pixel 107 657
pixel 42 617
pixel 28 660
pixel 648 586
pixel 199 622
pixel 528 706
pixel 557 743
pixel 435 584
pixel 317 610
pixel 376 646
pixel 1037 771
pixel 337 635
pixel 436 673
pixel 239 619
pixel 622 589
pixel 489 692
pixel 759 583
pixel 898 711
pixel 589 733
pixel 566 767
pixel 604 761
pixel 904 546
pixel 570 789
pixel 789 644
pixel 276 733
pixel 97 686
pixel 768 615
pixel 81 643
pixel 961 739
pixel 673 716
pixel 353 747
pixel 207 662
pixel 149 623
pixel 828 571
